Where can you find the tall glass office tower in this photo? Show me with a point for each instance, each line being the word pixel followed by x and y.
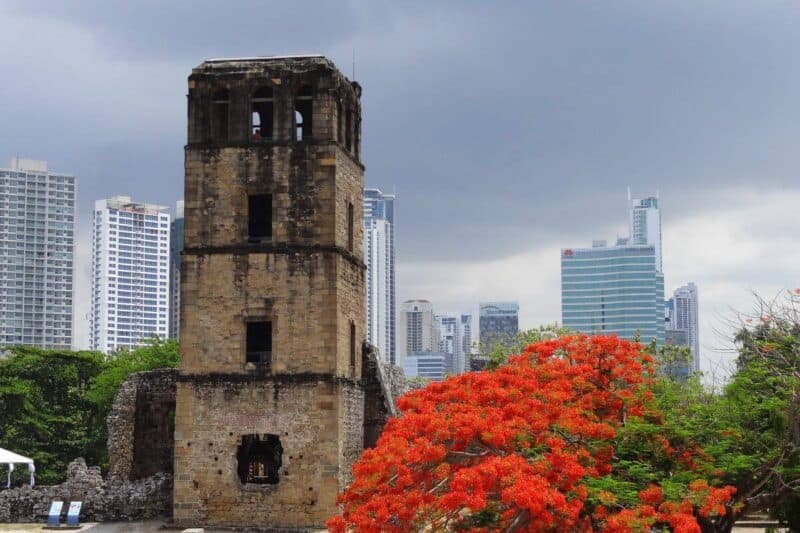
pixel 379 258
pixel 37 230
pixel 683 316
pixel 175 251
pixel 498 323
pixel 613 289
pixel 130 274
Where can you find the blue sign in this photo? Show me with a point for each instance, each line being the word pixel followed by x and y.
pixel 54 516
pixel 73 513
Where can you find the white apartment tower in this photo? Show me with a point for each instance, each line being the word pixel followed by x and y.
pixel 379 258
pixel 684 317
pixel 130 274
pixel 37 231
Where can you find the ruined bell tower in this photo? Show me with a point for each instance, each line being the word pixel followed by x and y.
pixel 270 407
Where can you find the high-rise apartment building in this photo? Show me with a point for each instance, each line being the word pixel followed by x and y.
pixel 37 230
pixel 451 339
pixel 130 274
pixel 175 251
pixel 417 329
pixel 466 334
pixel 613 289
pixel 683 316
pixel 498 322
pixel 379 258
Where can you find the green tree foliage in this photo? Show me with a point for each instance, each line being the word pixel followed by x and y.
pixel 54 403
pixel 155 354
pixel 44 410
pixel 750 430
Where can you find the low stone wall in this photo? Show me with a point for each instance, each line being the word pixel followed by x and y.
pixel 103 500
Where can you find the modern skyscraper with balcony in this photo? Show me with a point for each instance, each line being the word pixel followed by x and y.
pixel 37 230
pixel 175 251
pixel 379 258
pixel 683 316
pixel 130 274
pixel 499 323
pixel 613 289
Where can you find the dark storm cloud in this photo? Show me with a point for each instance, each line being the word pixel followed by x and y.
pixel 502 125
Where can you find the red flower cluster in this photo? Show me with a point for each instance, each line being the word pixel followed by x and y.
pixel 510 449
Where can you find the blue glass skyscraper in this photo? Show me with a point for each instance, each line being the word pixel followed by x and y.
pixel 613 289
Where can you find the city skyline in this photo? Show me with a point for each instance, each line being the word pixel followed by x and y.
pixel 580 113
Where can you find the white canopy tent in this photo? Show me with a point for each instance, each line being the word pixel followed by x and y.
pixel 11 458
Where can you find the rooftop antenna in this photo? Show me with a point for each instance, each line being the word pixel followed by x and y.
pixel 354 64
pixel 629 193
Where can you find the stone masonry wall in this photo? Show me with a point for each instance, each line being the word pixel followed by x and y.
pixel 211 492
pixel 103 500
pixel 141 426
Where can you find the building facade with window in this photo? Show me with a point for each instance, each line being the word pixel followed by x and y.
pixel 37 241
pixel 130 274
pixel 498 323
pixel 269 394
pixel 613 290
pixel 380 259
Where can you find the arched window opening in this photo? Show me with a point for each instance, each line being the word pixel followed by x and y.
pixel 262 115
pixel 303 113
pixel 348 131
pixel 219 115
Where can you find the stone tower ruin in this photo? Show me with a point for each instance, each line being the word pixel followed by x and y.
pixel 270 408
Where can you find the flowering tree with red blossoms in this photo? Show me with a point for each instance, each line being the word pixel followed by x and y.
pixel 522 447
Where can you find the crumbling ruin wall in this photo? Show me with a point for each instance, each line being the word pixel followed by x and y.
pixel 383 384
pixel 140 444
pixel 141 426
pixel 103 500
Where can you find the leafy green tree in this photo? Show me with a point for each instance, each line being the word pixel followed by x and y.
pixel 54 403
pixel 155 354
pixel 44 410
pixel 750 430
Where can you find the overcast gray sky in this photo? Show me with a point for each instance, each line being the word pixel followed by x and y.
pixel 508 129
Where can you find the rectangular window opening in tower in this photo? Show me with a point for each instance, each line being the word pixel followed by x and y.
pixel 260 459
pixel 259 217
pixel 352 346
pixel 259 343
pixel 350 226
